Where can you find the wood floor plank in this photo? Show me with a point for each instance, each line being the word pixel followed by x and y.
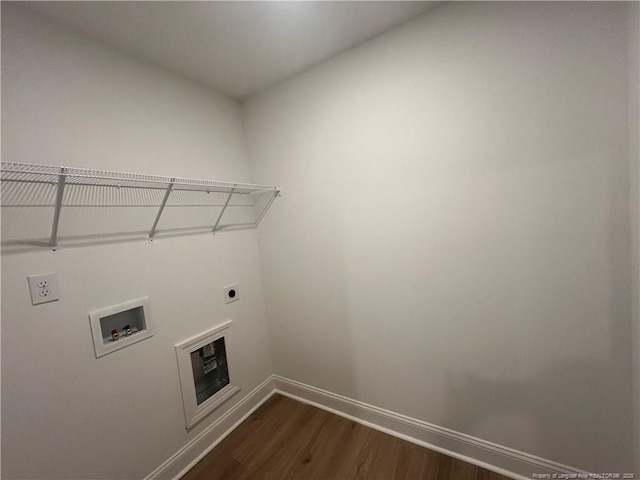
pixel 273 428
pixel 218 468
pixel 413 461
pixel 287 439
pixel 289 453
pixel 459 469
pixel 386 454
pixel 314 454
pixel 335 447
pixel 362 466
pixel 278 457
pixel 351 457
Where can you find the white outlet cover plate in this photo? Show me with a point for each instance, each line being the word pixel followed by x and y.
pixel 43 288
pixel 231 293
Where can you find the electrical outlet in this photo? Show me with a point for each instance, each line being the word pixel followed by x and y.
pixel 231 293
pixel 43 288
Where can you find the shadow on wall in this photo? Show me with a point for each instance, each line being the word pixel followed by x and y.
pixel 307 297
pixel 18 246
pixel 99 215
pixel 594 433
pixel 587 433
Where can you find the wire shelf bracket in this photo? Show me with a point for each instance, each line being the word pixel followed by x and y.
pixel 162 205
pixel 224 207
pixel 53 242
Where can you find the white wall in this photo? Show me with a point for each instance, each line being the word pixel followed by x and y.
pixel 65 414
pixel 634 176
pixel 452 243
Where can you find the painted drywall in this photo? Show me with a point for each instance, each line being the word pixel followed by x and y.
pixel 453 239
pixel 634 197
pixel 67 100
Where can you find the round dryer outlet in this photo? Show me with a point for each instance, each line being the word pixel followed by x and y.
pixel 231 293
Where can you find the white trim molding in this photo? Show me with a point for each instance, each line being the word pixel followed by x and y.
pixel 497 458
pixel 186 458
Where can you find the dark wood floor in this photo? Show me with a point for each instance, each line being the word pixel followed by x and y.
pixel 288 439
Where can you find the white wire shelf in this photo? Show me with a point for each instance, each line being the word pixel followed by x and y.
pixel 46 186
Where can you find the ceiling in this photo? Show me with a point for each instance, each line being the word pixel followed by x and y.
pixel 236 48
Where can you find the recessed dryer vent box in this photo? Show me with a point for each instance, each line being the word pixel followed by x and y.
pixel 204 373
pixel 121 325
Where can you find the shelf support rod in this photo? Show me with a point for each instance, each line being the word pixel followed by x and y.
pixel 162 205
pixel 62 180
pixel 267 206
pixel 223 209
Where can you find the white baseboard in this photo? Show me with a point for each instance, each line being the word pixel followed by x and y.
pixel 185 458
pixel 497 458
